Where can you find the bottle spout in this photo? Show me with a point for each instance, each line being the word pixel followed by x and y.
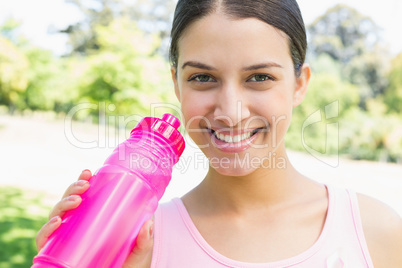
pixel 166 127
pixel 172 120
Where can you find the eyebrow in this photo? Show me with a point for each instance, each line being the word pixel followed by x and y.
pixel 201 65
pixel 262 65
pixel 198 65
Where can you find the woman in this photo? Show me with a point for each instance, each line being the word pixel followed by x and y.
pixel 238 70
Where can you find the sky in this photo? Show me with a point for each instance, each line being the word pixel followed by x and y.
pixel 39 17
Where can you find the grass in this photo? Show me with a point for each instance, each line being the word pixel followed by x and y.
pixel 22 214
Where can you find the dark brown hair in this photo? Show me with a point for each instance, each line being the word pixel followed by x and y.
pixel 284 15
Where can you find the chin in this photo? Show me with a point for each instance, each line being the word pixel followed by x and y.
pixel 234 169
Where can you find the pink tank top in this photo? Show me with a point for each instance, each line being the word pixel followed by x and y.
pixel 178 244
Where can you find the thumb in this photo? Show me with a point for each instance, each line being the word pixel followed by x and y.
pixel 141 255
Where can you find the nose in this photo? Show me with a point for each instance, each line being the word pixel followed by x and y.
pixel 231 106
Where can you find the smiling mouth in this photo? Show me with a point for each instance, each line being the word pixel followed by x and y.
pixel 234 138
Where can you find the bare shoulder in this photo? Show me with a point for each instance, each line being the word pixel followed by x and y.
pixel 382 228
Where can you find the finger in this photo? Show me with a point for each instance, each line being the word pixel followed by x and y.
pixel 80 186
pixel 141 254
pixel 46 231
pixel 145 237
pixel 86 174
pixel 64 205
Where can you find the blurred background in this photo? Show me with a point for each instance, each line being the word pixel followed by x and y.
pixel 77 75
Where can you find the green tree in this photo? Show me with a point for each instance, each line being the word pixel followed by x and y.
pixel 343 33
pixel 13 73
pixel 371 134
pixel 124 72
pixel 393 95
pixel 82 34
pixel 30 77
pixel 151 16
pixel 154 17
pixel 353 40
pixel 51 85
pixel 327 97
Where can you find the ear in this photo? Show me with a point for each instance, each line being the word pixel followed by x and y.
pixel 173 70
pixel 301 85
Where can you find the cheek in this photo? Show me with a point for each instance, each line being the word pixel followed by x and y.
pixel 283 116
pixel 274 103
pixel 276 108
pixel 195 107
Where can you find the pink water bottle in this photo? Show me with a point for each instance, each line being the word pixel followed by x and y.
pixel 123 194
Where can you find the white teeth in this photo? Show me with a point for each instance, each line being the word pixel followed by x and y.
pixel 236 138
pixel 233 139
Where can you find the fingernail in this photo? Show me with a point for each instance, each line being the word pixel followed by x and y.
pixel 54 219
pixel 84 170
pixel 82 183
pixel 73 198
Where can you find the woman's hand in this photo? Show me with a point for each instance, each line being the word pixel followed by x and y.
pixel 141 255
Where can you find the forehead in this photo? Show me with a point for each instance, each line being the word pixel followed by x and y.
pixel 219 36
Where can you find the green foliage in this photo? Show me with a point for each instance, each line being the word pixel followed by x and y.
pixel 372 136
pixel 393 95
pixel 329 121
pixel 49 86
pixel 343 33
pixel 352 40
pixel 368 71
pixel 30 78
pixel 325 64
pixel 118 69
pixel 328 101
pixel 152 16
pixel 124 71
pixel 22 214
pixel 13 68
pixel 350 65
pixel 82 35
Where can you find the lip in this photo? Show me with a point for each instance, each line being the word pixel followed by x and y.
pixel 235 147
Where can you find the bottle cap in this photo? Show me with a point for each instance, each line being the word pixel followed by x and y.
pixel 165 128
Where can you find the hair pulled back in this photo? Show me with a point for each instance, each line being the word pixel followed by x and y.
pixel 284 15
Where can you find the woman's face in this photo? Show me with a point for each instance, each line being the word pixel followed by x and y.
pixel 236 84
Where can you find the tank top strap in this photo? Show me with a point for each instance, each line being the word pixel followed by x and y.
pixel 355 210
pixel 347 229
